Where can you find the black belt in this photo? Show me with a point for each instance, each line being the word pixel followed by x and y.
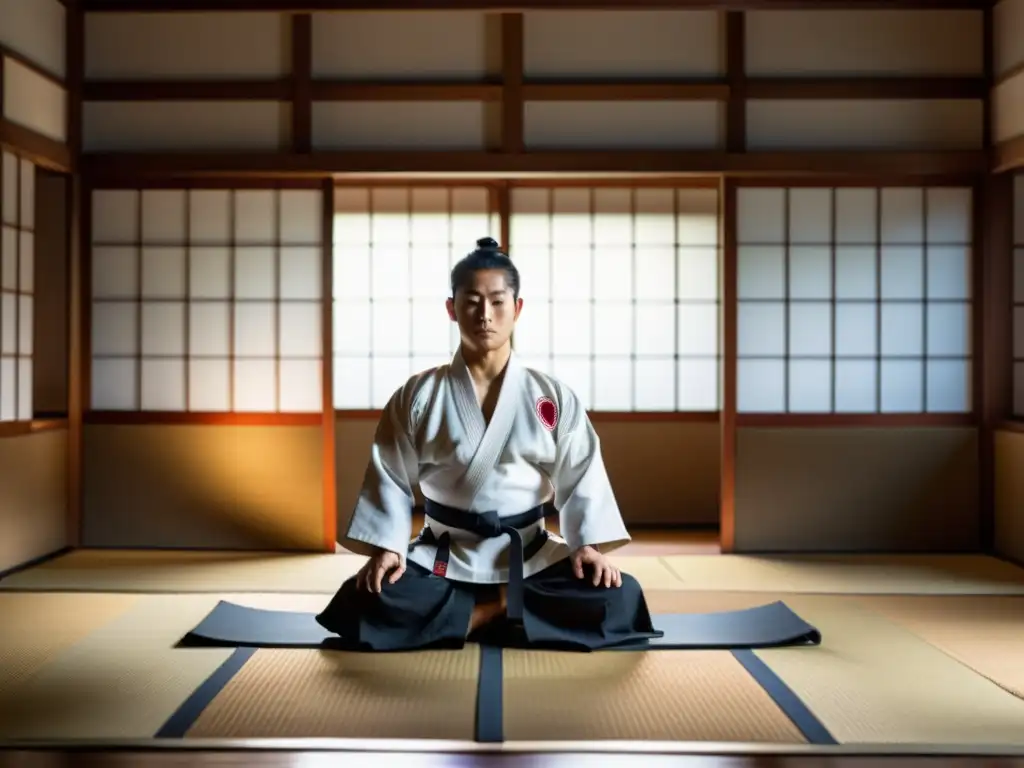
pixel 487 525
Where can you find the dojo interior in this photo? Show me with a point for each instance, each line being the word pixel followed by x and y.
pixel 771 247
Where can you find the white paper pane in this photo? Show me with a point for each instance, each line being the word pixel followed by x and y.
pixel 390 266
pixel 114 328
pixel 761 272
pixel 351 271
pixel 8 389
pixel 697 222
pixel 115 216
pixel 301 215
pixel 532 335
pixel 655 217
pixel 8 323
pixel 209 217
pixel 255 334
pixel 542 364
pixel 902 216
pixel 762 329
pixel 163 385
pixel 949 272
pixel 431 329
pixel 697 329
pixel 388 374
pixel 352 328
pixel 352 383
pixel 613 273
pixel 698 274
pixel 810 216
pixel 164 219
pixel 255 386
pixel 299 329
pixel 1018 389
pixel 697 385
pixel 810 386
pixel 810 272
pixel 25 405
pixel 390 216
pixel 535 273
pixel 351 215
pixel 530 222
pixel 613 217
pixel 113 385
pixel 902 272
pixel 115 272
pixel 300 386
pixel 613 384
pixel 423 363
pixel 856 330
pixel 856 386
pixel 655 382
pixel 209 273
pixel 9 259
pixel 163 329
pixel 27 207
pixel 810 329
pixel 209 329
pixel 25 325
pixel 949 330
pixel 27 267
pixel 255 273
pixel 856 272
pixel 163 272
pixel 570 220
pixel 949 215
pixel 9 201
pixel 209 385
pixel 571 274
pixel 902 386
pixel 761 215
pixel 655 330
pixel 949 386
pixel 430 217
pixel 392 328
pixel 761 386
pixel 571 328
pixel 255 216
pixel 430 274
pixel 471 217
pixel 300 273
pixel 577 374
pixel 613 329
pixel 902 330
pixel 655 274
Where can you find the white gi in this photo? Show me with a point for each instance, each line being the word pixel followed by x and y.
pixel 539 445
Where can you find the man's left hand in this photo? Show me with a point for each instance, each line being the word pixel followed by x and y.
pixel 604 572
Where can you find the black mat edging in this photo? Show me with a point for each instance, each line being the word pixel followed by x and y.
pixel 805 720
pixel 186 715
pixel 490 697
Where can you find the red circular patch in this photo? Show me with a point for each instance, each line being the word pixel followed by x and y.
pixel 547 412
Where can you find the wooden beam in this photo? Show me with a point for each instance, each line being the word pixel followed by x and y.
pixel 128 165
pixel 626 91
pixel 309 6
pixel 1008 155
pixel 187 90
pixel 41 150
pixel 736 78
pixel 729 325
pixel 328 420
pixel 512 75
pixel 887 88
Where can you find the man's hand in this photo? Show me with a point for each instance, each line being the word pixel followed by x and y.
pixel 371 576
pixel 604 572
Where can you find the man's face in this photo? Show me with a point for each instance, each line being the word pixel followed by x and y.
pixel 485 310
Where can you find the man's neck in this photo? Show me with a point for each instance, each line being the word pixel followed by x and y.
pixel 488 366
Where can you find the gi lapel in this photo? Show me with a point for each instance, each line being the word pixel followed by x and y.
pixel 490 439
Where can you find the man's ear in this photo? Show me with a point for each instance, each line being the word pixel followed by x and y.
pixel 449 304
pixel 519 307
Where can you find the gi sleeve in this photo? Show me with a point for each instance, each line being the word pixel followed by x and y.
pixel 588 513
pixel 383 514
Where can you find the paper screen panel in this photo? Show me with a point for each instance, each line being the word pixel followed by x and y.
pixel 1008 108
pixel 17 281
pixel 35 30
pixel 863 43
pixel 1018 295
pixel 854 300
pixel 122 126
pixel 221 46
pixel 1008 43
pixel 400 125
pixel 34 101
pixel 617 44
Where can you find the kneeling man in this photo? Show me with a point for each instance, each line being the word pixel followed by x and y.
pixel 489 442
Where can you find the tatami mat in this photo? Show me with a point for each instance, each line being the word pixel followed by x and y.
pixel 873 681
pixel 327 694
pixel 661 696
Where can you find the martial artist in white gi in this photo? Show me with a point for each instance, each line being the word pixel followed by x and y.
pixel 489 443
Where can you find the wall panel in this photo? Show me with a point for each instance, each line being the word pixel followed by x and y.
pixel 33 496
pixel 400 125
pixel 1009 495
pixel 867 125
pixel 1018 296
pixel 17 283
pixel 621 44
pixel 1008 42
pixel 184 125
pixel 153 46
pixel 863 43
pixel 430 45
pixel 35 29
pixel 1008 108
pixel 613 125
pixel 34 101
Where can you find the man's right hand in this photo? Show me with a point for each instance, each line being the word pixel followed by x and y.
pixel 371 576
